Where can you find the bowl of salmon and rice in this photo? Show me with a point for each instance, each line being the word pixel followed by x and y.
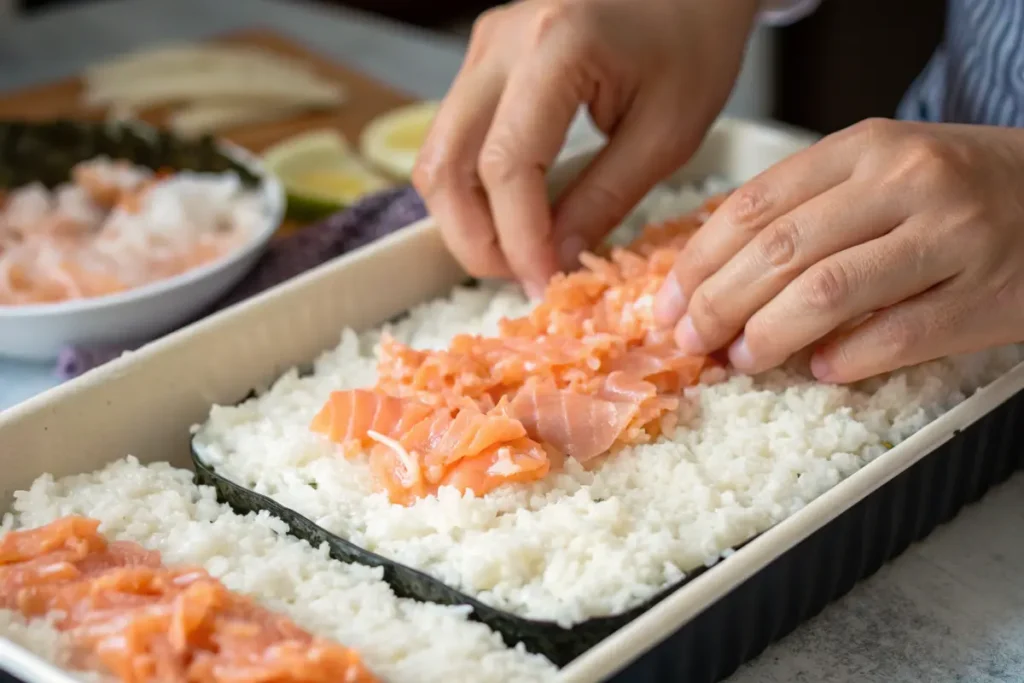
pixel 115 233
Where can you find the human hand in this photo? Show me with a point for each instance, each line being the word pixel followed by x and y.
pixel 884 245
pixel 654 75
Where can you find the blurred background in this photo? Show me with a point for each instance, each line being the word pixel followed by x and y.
pixel 850 60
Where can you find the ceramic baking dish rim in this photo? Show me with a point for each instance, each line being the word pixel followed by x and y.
pixel 646 631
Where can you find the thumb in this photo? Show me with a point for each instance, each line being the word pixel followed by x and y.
pixel 645 148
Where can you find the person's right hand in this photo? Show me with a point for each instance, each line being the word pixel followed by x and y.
pixel 654 75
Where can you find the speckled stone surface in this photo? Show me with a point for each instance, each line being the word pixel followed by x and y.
pixel 950 609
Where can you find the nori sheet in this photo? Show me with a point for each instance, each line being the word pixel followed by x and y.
pixel 46 151
pixel 547 638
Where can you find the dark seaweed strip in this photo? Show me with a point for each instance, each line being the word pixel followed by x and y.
pixel 547 638
pixel 46 152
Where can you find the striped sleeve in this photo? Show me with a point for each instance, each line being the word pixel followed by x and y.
pixel 785 12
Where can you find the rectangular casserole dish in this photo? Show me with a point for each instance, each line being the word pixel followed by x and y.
pixel 144 403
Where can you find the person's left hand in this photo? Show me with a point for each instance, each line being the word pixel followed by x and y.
pixel 884 245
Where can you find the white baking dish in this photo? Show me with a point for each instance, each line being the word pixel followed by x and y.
pixel 144 403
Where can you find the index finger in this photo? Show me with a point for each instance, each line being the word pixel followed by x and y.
pixel 530 125
pixel 766 198
pixel 446 175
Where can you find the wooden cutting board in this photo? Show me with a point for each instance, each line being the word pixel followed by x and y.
pixel 367 98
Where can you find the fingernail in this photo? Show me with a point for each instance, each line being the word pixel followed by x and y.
pixel 569 252
pixel 740 356
pixel 820 367
pixel 687 337
pixel 534 290
pixel 670 303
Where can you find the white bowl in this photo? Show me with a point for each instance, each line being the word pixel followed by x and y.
pixel 38 332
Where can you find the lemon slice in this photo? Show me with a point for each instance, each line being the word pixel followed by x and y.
pixel 392 140
pixel 320 173
pixel 322 147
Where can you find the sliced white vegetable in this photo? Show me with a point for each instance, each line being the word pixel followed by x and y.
pixel 213 87
pixel 214 116
pixel 166 60
pixel 157 92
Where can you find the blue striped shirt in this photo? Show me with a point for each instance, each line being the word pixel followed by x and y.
pixel 975 76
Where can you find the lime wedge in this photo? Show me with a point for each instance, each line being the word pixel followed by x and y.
pixel 317 147
pixel 320 173
pixel 392 141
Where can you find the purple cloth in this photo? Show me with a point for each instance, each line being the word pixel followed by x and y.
pixel 375 216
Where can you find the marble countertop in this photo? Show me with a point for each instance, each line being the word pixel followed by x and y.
pixel 950 610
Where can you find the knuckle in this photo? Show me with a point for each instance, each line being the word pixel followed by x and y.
pixel 826 286
pixel 497 164
pixel 552 17
pixel 899 335
pixel 874 138
pixel 874 130
pixel 607 198
pixel 689 267
pixel 431 174
pixel 926 161
pixel 486 25
pixel 693 259
pixel 705 311
pixel 747 205
pixel 483 34
pixel 423 178
pixel 778 243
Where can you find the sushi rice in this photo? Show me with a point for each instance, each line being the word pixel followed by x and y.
pixel 41 638
pixel 159 507
pixel 578 544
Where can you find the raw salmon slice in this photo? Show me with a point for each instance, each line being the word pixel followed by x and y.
pixel 352 415
pixel 585 370
pixel 576 424
pixel 142 622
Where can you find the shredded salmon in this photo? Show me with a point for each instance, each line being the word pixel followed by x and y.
pixel 130 616
pixel 588 369
pixel 114 227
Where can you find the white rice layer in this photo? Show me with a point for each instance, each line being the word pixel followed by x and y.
pixel 41 638
pixel 585 544
pixel 159 507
